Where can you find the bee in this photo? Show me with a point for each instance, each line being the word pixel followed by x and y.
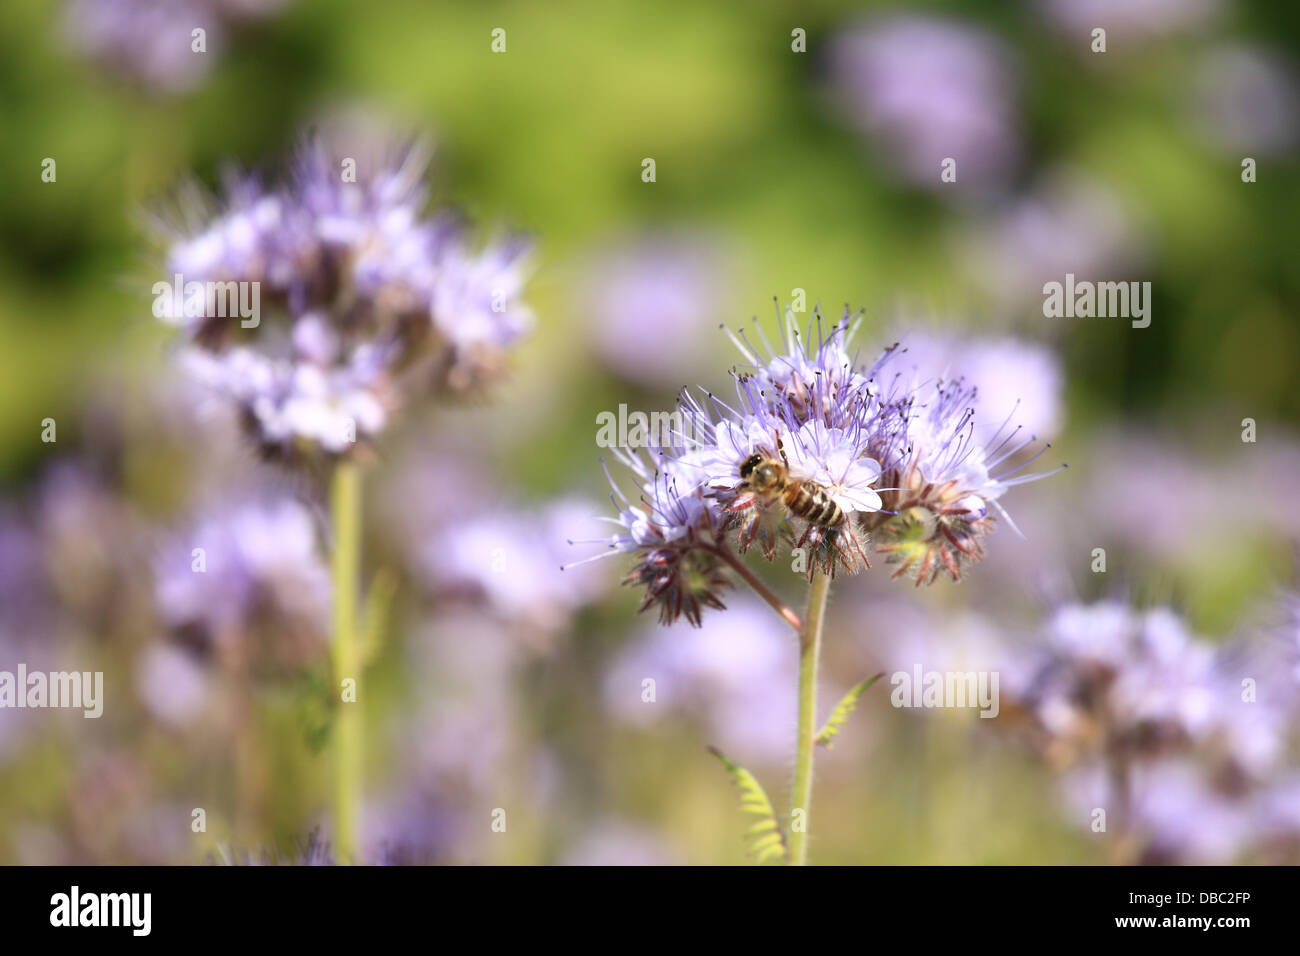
pixel 769 479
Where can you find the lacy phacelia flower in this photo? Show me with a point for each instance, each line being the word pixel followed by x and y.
pixel 820 452
pixel 942 493
pixel 321 307
pixel 676 532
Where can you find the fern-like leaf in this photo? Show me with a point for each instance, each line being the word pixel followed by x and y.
pixel 379 599
pixel 765 840
pixel 840 715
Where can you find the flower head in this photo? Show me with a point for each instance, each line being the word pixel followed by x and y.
pixel 674 531
pixel 821 452
pixel 944 488
pixel 1158 725
pixel 369 305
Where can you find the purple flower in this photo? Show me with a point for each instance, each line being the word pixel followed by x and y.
pixel 820 450
pixel 151 42
pixel 925 89
pixel 1163 730
pixel 620 844
pixel 511 559
pixel 731 674
pixel 245 584
pixel 648 301
pixel 1140 679
pixel 173 684
pixel 944 491
pixel 675 532
pixel 1127 22
pixel 1007 374
pixel 368 305
pixel 1068 223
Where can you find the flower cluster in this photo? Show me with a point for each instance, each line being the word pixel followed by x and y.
pixel 368 304
pixel 245 588
pixel 1182 743
pixel 823 453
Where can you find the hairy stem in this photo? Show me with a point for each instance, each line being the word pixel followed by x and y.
pixel 345 510
pixel 761 589
pixel 810 642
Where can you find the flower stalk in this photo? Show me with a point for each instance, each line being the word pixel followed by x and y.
pixel 810 642
pixel 761 589
pixel 345 511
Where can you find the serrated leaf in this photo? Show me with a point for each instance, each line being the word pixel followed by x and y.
pixel 840 715
pixel 379 599
pixel 764 839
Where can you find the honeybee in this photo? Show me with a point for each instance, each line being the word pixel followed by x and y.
pixel 769 479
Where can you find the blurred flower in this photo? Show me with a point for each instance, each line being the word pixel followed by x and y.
pixel 473 545
pixel 368 305
pixel 906 634
pixel 647 303
pixel 26 593
pixel 406 830
pixel 1246 100
pixel 1067 224
pixel 924 89
pixel 511 560
pixel 1123 682
pixel 733 674
pixel 460 742
pixel 245 585
pixel 173 684
pixel 1128 22
pixel 1158 727
pixel 151 41
pixel 94 543
pixel 619 844
pixel 1009 375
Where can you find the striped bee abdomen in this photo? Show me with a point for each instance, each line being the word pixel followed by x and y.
pixel 814 504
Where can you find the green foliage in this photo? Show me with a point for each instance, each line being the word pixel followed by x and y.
pixel 765 840
pixel 848 703
pixel 374 619
pixel 315 707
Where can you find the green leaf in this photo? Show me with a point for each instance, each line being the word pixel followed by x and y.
pixel 374 621
pixel 764 839
pixel 842 710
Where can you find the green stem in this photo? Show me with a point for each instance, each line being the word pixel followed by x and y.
pixel 810 642
pixel 761 589
pixel 345 511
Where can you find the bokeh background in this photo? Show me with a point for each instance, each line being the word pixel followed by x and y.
pixel 502 683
